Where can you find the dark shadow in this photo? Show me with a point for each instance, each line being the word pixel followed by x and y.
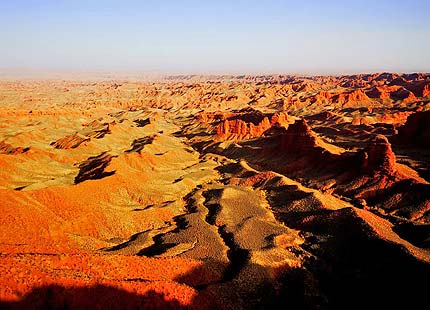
pixel 362 272
pixel 178 180
pixel 94 297
pixel 347 267
pixel 212 293
pixel 181 223
pixel 209 273
pixel 353 268
pixel 139 144
pixel 351 110
pixel 158 248
pixel 190 136
pixel 144 208
pixel 417 234
pixel 142 122
pixel 99 134
pixel 126 243
pixel 213 208
pixel 230 168
pixel 255 117
pixel 94 168
pixel 167 202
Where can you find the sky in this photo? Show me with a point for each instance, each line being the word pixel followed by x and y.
pixel 216 37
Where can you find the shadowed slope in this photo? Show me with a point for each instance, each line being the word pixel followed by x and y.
pixel 94 168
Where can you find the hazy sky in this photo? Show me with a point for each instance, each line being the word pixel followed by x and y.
pixel 222 36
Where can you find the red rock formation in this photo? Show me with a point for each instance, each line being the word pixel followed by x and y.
pixel 391 92
pixel 322 116
pixel 248 125
pixel 403 94
pixel 360 121
pixel 418 84
pixel 70 142
pixel 426 91
pixel 419 89
pixel 209 117
pixel 378 156
pixel 97 131
pixel 6 148
pixel 281 118
pixel 243 129
pixel 94 123
pixel 380 92
pixel 298 138
pixel 303 149
pixel 110 126
pixel 385 76
pixel 354 96
pixel 302 87
pixel 322 96
pixel 395 118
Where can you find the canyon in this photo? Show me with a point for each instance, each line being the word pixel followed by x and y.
pixel 215 192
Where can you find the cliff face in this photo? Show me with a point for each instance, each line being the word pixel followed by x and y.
pixel 243 129
pixel 248 125
pixel 355 96
pixel 378 156
pixel 298 138
pixel 300 141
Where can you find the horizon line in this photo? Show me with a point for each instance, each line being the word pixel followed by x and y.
pixel 71 74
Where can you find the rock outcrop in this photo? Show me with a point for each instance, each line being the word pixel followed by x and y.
pixel 6 148
pixel 96 130
pixel 70 142
pixel 378 156
pixel 298 138
pixel 393 92
pixel 356 96
pixel 248 124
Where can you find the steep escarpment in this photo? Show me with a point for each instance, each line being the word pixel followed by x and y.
pixel 248 123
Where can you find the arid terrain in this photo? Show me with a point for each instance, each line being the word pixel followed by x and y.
pixel 215 192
